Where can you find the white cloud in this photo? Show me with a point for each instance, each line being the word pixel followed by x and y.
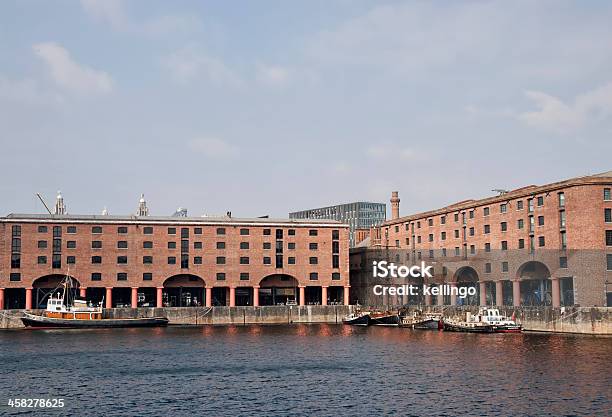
pixel 214 148
pixel 190 63
pixel 26 91
pixel 554 115
pixel 272 75
pixel 69 74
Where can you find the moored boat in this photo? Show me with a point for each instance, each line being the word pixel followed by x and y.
pixel 357 319
pixel 385 318
pixel 421 321
pixel 488 320
pixel 65 311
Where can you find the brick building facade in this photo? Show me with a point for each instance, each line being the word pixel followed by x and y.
pixel 173 261
pixel 537 245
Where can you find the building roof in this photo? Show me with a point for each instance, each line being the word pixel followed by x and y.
pixel 85 218
pixel 530 190
pixel 338 205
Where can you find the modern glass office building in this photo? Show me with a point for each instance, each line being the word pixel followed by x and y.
pixel 359 216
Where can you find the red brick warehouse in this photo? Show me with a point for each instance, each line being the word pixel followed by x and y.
pixel 536 245
pixel 173 261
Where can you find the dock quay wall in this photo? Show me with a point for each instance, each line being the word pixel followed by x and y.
pixel 582 320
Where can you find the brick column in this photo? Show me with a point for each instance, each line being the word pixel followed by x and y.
pixel 232 297
pixel 453 296
pixel 256 296
pixel 134 297
pixel 499 293
pixel 28 299
pixel 208 296
pixel 83 292
pixel 556 292
pixel 516 293
pixel 324 295
pixel 347 290
pixel 483 293
pixel 159 299
pixel 302 295
pixel 427 299
pixel 1 298
pixel 109 297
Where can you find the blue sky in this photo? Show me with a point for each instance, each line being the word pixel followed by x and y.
pixel 271 106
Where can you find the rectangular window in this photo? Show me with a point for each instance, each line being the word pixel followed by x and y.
pixel 504 245
pixel 456 234
pixel 122 244
pixel 279 233
pixel 540 201
pixel 519 205
pixel 147 276
pixel 244 260
pixel 443 251
pixel 563 262
pixel 487 247
pixel 220 276
pixel 147 244
pixel 457 251
pixel 220 231
pixel 335 234
pixel 609 261
pixel 503 208
pixel 607 194
pixel 96 276
pixel 472 231
pixel 313 232
pixel 267 260
pixel 563 240
pixel 57 245
pixel 122 230
pixel 471 214
pixel 121 276
pixel 313 246
pixel 184 260
pixel 184 246
pixel 171 260
pixel 197 245
pixel 42 229
pixel 122 260
pixel 488 268
pixel 487 229
pixel 397 243
pixel 485 211
pixel 71 244
pixel 220 245
pixel 96 259
pixel 197 260
pixel 314 276
pixel 42 260
pixel 147 260
pixel 172 230
pixel 442 237
pixel 418 239
pixel 335 276
pixel 267 232
pixel 431 237
pixel 96 244
pixel 472 249
pixel 456 217
pixel 313 260
pixel 504 226
pixel 429 222
pixel 70 260
pixel 541 241
pixel 56 261
pixel 57 231
pixel 244 232
pixel 530 205
pixel 540 220
pixel 42 244
pixel 607 215
pixel 291 260
pixel 197 231
pixel 562 219
pixel 419 224
pixel 96 230
pixel 521 244
pixel 561 199
pixel 608 237
pixel 171 245
pixel 220 260
pixel 290 245
pixel 244 276
pixel 184 233
pixel 148 230
pixel 520 223
pixel 531 224
pixel 15 276
pixel 244 245
pixel 505 266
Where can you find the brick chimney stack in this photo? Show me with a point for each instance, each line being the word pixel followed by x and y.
pixel 394 205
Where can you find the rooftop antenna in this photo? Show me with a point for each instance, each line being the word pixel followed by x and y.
pixel 43 202
pixel 500 191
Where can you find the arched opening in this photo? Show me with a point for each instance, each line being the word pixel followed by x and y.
pixel 278 289
pixel 47 285
pixel 183 290
pixel 536 287
pixel 468 277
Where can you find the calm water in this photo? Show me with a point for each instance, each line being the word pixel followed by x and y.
pixel 306 370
